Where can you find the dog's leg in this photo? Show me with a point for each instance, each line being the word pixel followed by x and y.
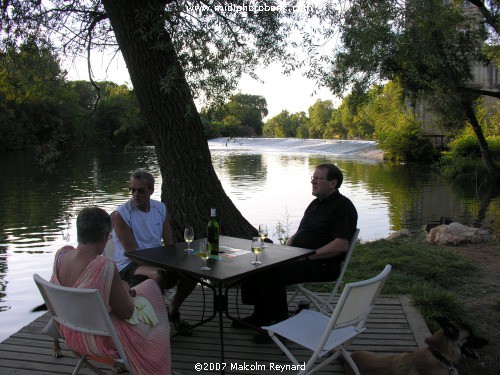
pixel 119 368
pixel 57 349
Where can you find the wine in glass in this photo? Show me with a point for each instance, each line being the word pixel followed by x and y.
pixel 188 237
pixel 263 234
pixel 256 249
pixel 204 254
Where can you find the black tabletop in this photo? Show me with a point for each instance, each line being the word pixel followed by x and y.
pixel 226 269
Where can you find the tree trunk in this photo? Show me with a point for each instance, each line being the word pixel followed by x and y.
pixel 483 145
pixel 190 185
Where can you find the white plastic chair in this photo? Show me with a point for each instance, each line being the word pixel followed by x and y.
pixel 326 334
pixel 322 304
pixel 81 310
pixel 109 249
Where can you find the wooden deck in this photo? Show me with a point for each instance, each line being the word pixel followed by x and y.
pixel 393 327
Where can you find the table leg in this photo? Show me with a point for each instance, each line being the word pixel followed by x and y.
pixel 214 312
pixel 221 307
pixel 237 318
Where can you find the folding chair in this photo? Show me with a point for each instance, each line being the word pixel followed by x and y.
pixel 109 249
pixel 321 304
pixel 81 310
pixel 324 334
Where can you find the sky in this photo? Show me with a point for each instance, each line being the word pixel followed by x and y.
pixel 294 92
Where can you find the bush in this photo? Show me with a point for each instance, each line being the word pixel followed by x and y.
pixel 465 146
pixel 407 143
pixel 463 162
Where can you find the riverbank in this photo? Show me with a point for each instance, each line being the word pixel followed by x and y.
pixel 483 306
pixel 341 148
pixel 460 282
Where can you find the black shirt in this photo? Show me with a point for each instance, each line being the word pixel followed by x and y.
pixel 326 219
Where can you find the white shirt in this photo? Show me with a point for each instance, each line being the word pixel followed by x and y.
pixel 146 226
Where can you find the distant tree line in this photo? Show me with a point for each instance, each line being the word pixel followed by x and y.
pixel 40 109
pixel 380 114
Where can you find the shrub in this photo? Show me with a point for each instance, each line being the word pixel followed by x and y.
pixel 407 143
pixel 463 162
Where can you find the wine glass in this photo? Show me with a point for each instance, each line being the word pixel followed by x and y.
pixel 256 249
pixel 263 234
pixel 204 254
pixel 188 237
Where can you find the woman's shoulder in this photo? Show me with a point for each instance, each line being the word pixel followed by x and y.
pixel 65 249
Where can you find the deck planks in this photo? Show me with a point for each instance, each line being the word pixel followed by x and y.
pixel 389 331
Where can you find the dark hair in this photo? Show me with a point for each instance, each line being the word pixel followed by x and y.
pixel 333 173
pixel 91 224
pixel 141 174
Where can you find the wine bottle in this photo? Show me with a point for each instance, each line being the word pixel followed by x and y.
pixel 213 230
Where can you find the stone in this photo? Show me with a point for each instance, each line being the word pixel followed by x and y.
pixel 403 233
pixel 456 234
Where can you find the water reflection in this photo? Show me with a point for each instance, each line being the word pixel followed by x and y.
pixel 39 211
pixel 243 172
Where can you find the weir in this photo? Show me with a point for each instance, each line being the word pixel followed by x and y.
pixel 294 145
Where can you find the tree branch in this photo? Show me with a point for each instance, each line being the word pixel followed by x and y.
pixel 491 19
pixel 493 94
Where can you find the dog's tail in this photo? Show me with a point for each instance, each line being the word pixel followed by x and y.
pixel 42 307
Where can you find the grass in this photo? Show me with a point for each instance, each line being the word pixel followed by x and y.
pixel 496 307
pixel 427 273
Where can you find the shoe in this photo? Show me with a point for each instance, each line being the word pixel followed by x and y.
pixel 249 322
pixel 262 338
pixel 181 327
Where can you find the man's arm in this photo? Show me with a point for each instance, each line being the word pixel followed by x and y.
pixel 124 233
pixel 168 238
pixel 332 249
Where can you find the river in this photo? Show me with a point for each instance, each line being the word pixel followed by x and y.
pixel 267 179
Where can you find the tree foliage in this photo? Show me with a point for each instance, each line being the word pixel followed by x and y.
pixel 41 110
pixel 285 125
pixel 431 56
pixel 239 117
pixel 38 110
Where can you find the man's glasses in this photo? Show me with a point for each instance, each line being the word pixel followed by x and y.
pixel 316 178
pixel 138 191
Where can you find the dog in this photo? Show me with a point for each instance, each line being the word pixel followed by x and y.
pixel 441 357
pixel 51 330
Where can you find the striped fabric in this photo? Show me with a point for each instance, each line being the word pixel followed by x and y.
pixel 147 347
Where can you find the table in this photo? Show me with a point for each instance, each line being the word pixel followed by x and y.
pixel 223 273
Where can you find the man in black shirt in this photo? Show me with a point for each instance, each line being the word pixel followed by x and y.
pixel 327 226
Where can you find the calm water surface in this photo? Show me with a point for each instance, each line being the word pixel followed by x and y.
pixel 38 212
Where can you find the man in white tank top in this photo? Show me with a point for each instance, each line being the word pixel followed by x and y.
pixel 142 223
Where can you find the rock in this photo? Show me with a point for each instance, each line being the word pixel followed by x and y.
pixel 456 234
pixel 403 233
pixel 429 226
pixel 433 224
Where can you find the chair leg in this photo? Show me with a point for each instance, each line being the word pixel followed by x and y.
pixel 283 348
pixel 84 361
pixel 349 360
pixel 79 364
pixel 295 293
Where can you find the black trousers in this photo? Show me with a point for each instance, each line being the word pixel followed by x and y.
pixel 267 290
